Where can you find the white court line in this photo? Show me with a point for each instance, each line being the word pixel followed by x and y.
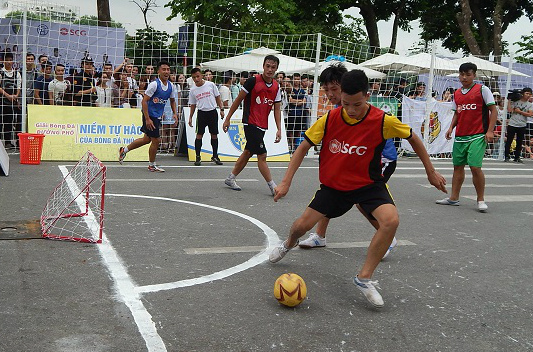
pixel 124 284
pixel 176 180
pixel 247 249
pixel 501 199
pixel 490 185
pixel 467 175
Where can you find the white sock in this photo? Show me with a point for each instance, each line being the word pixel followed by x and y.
pixel 232 176
pixel 151 164
pixel 126 149
pixel 271 183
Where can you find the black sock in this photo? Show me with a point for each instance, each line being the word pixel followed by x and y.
pixel 198 147
pixel 214 145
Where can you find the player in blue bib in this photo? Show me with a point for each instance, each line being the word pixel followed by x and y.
pixel 155 97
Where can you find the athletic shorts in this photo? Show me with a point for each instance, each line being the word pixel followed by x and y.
pixel 207 119
pixel 152 133
pixel 388 170
pixel 469 152
pixel 254 140
pixel 334 203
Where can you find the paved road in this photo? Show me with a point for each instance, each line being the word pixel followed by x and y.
pixel 182 267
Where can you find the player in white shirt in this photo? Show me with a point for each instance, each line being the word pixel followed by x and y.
pixel 59 86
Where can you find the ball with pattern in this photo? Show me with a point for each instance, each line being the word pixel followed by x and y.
pixel 290 289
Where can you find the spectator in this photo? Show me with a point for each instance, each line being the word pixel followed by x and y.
pixel 285 90
pixel 127 67
pixel 280 76
pixel 297 116
pixel 224 89
pixel 149 73
pixel 399 90
pixel 375 89
pixel 108 69
pixel 31 77
pixel 58 87
pixel 208 75
pixel 236 87
pixel 56 58
pixel 520 110
pixel 419 93
pixel 42 59
pixel 169 121
pixel 84 86
pixel 10 88
pixel 447 95
pixel 125 91
pixel 106 95
pixel 40 93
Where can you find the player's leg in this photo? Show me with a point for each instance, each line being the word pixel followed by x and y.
pixel 476 151
pixel 265 172
pixel 241 162
pixel 318 238
pixel 511 131
pixel 201 123
pixel 520 134
pixel 213 130
pixel 459 159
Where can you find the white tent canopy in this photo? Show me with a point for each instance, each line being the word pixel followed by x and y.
pixel 487 68
pixel 372 74
pixel 418 63
pixel 253 61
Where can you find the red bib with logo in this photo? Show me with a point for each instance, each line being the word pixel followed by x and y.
pixel 472 113
pixel 257 109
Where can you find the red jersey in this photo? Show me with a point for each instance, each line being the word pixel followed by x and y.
pixel 259 101
pixel 350 157
pixel 472 112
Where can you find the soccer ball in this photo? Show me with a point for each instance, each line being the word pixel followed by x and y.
pixel 290 289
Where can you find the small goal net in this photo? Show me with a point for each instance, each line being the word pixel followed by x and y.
pixel 75 209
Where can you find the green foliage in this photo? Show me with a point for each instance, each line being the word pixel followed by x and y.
pixel 29 15
pixel 93 21
pixel 149 45
pixel 526 49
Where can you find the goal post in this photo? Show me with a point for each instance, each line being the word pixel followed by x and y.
pixel 75 209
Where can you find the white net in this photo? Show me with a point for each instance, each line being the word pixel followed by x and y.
pixel 120 65
pixel 75 209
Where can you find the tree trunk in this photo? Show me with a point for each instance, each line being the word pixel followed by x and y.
pixel 497 31
pixel 104 15
pixel 371 24
pixel 464 20
pixel 397 15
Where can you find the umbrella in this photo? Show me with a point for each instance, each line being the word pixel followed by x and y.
pixel 252 60
pixel 487 68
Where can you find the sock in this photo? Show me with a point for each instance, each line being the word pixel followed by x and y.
pixel 271 183
pixel 362 280
pixel 231 176
pixel 126 149
pixel 198 147
pixel 214 145
pixel 151 164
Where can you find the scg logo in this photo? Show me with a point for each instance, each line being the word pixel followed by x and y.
pixel 76 32
pixel 340 147
pixel 467 107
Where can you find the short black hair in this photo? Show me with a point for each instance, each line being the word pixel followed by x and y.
pixel 296 74
pixel 8 55
pixel 271 58
pixel 59 65
pixel 30 54
pixel 527 90
pixel 207 70
pixel 332 74
pixel 46 64
pixel 161 63
pixel 244 74
pixel 194 70
pixel 354 81
pixel 402 81
pixel 41 56
pixel 305 76
pixel 468 66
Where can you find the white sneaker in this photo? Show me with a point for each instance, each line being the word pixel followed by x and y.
pixel 482 206
pixel 155 168
pixel 448 201
pixel 314 240
pixel 391 248
pixel 279 252
pixel 369 290
pixel 232 184
pixel 272 188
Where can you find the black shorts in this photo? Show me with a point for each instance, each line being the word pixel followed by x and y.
pixel 152 133
pixel 207 119
pixel 388 170
pixel 334 203
pixel 254 140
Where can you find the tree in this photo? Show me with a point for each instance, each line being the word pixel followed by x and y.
pixel 526 48
pixel 149 46
pixel 481 23
pixel 93 21
pixel 104 15
pixel 145 6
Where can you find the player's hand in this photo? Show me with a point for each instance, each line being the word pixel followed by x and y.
pixel 150 124
pixel 225 126
pixel 278 137
pixel 190 122
pixel 489 136
pixel 280 191
pixel 438 181
pixel 448 134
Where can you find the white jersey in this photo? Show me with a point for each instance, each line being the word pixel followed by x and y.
pixel 204 97
pixel 225 94
pixel 58 88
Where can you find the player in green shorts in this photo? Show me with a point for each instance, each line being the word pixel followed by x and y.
pixel 474 119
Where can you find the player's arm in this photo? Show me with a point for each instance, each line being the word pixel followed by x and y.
pixel 236 103
pixel 192 108
pixel 221 106
pixel 296 160
pixel 36 95
pixel 435 178
pixel 489 136
pixel 147 119
pixel 277 119
pixel 448 134
pixel 51 96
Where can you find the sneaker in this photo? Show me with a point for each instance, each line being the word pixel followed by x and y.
pixel 216 160
pixel 279 252
pixel 121 154
pixel 313 241
pixel 506 160
pixel 369 290
pixel 272 188
pixel 198 161
pixel 482 206
pixel 448 201
pixel 391 248
pixel 232 184
pixel 518 161
pixel 155 168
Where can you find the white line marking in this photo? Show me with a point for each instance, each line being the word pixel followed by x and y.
pixel 491 185
pixel 502 199
pixel 176 180
pixel 246 249
pixel 123 282
pixel 467 175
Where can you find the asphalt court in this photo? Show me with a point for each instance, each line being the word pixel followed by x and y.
pixel 183 266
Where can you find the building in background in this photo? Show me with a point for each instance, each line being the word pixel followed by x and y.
pixel 54 11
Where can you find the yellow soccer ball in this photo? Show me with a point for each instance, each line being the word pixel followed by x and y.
pixel 290 289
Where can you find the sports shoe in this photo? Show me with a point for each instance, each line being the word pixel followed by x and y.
pixel 506 160
pixel 369 290
pixel 216 160
pixel 393 245
pixel 198 161
pixel 272 188
pixel 448 201
pixel 155 168
pixel 518 161
pixel 313 241
pixel 232 184
pixel 482 206
pixel 279 252
pixel 121 154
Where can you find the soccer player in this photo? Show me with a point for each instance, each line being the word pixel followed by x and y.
pixel 353 136
pixel 260 92
pixel 472 104
pixel 205 96
pixel 153 104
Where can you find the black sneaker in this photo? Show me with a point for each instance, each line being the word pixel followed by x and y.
pixel 198 161
pixel 216 160
pixel 518 161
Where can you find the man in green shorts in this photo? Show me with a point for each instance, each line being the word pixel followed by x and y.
pixel 474 119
